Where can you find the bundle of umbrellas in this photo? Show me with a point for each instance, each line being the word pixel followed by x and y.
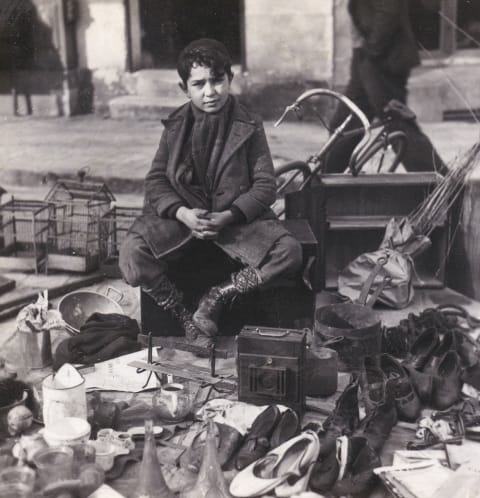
pixel 410 234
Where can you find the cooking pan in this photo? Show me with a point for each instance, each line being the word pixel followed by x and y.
pixel 77 306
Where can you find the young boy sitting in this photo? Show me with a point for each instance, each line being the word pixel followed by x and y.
pixel 211 182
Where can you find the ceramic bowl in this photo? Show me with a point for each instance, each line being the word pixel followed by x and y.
pixel 67 431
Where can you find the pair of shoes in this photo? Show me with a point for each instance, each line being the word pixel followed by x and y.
pixel 347 470
pixel 287 427
pixel 269 430
pixel 343 420
pixel 435 369
pixel 418 357
pixel 227 440
pixel 285 469
pixel 398 341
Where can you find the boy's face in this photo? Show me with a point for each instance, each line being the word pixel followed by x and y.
pixel 207 91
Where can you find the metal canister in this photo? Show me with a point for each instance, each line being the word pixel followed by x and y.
pixel 35 348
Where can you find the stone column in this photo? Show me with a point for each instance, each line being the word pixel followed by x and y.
pixel 53 80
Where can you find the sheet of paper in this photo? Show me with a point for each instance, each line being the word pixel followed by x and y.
pixel 117 375
pixel 407 457
pixel 467 453
pixel 105 491
pixel 415 480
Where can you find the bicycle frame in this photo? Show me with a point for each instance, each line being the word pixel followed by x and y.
pixel 361 147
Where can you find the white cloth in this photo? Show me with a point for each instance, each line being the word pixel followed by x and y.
pixel 237 414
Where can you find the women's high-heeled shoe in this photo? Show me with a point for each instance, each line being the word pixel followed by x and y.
pixel 292 459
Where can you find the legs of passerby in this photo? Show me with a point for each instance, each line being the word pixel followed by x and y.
pixel 339 156
pixel 283 259
pixel 140 268
pixel 420 154
pixel 381 87
pixel 371 88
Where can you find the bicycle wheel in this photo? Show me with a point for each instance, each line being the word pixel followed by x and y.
pixel 290 176
pixel 384 154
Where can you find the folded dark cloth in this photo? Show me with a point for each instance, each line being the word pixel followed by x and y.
pixel 102 337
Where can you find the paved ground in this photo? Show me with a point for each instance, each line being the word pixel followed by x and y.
pixel 34 151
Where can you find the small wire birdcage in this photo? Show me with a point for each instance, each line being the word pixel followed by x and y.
pixel 114 226
pixel 73 239
pixel 24 232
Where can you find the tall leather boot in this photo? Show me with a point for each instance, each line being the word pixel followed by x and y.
pixel 169 298
pixel 211 304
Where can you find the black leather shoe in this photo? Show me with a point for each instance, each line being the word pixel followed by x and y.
pixel 193 334
pixel 378 425
pixel 210 307
pixel 471 376
pixel 447 343
pixel 257 440
pixel 358 476
pixel 325 473
pixel 447 383
pixel 422 349
pixel 344 418
pixel 422 382
pixel 467 349
pixel 288 426
pixel 407 402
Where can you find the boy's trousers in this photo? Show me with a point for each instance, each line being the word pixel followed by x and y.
pixel 139 266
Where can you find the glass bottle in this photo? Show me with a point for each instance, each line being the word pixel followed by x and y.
pixel 151 483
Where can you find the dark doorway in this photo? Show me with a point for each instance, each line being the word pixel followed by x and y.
pixel 426 25
pixel 168 25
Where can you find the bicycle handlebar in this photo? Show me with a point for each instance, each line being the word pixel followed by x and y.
pixel 346 101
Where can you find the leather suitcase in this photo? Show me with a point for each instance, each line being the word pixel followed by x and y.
pixel 271 366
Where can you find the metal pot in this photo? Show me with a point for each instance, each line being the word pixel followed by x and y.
pixel 77 306
pixel 354 330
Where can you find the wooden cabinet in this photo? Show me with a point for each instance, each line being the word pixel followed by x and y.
pixel 352 212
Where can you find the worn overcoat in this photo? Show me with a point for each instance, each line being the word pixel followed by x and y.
pixel 244 177
pixel 386 28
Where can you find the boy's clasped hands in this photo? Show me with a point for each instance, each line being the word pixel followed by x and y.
pixel 202 223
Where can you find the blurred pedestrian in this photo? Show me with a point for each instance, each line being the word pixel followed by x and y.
pixel 384 52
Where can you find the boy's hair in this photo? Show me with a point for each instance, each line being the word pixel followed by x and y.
pixel 205 52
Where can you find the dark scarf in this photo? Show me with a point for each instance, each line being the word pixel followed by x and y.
pixel 208 137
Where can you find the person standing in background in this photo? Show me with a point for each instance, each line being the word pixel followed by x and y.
pixel 384 53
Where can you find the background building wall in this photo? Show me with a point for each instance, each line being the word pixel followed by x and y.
pixel 292 41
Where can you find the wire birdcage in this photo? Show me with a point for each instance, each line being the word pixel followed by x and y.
pixel 73 239
pixel 114 226
pixel 24 234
